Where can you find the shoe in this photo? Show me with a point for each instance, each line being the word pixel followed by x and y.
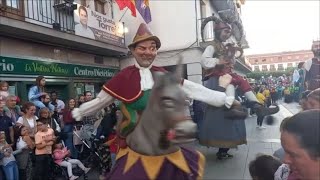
pixel 86 170
pixel 221 156
pixel 73 177
pixel 257 126
pixel 262 127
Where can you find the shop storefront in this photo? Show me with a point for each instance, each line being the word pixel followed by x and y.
pixel 69 80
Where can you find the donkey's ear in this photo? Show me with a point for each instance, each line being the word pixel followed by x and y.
pixel 156 75
pixel 179 70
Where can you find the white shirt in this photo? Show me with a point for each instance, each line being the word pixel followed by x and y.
pixel 81 30
pixel 60 105
pixel 21 143
pixel 30 121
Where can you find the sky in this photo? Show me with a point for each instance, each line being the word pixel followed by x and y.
pixel 276 26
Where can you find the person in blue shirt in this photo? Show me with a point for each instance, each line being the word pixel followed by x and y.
pixel 37 91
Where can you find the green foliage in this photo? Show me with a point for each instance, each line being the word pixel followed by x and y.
pixel 258 74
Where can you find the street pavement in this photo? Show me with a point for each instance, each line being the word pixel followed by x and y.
pixel 264 141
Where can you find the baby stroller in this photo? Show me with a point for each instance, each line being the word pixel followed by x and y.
pixel 60 173
pixel 92 151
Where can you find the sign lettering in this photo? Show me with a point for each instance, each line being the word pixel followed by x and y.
pixel 9 65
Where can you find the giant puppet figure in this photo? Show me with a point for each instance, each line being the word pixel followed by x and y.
pixel 218 128
pixel 146 149
pixel 312 68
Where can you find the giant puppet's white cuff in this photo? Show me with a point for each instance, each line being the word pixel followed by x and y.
pixel 198 92
pixel 101 101
pixel 229 101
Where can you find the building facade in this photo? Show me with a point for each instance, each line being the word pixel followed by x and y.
pixel 40 37
pixel 180 32
pixel 278 61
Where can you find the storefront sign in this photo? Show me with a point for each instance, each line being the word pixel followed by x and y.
pixel 94 25
pixel 9 65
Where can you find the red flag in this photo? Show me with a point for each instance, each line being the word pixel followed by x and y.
pixel 127 3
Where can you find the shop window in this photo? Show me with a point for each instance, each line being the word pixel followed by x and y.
pixel 289 65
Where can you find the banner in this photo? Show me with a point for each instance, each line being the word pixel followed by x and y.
pixel 94 25
pixel 9 65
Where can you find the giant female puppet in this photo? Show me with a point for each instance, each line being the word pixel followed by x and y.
pixel 312 68
pixel 221 127
pixel 145 150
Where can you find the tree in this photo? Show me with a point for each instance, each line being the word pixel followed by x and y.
pixel 258 74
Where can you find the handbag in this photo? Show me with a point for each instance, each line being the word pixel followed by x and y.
pixel 77 135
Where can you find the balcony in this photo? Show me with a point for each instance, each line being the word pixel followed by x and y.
pixel 53 22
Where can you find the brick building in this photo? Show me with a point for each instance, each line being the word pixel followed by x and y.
pixel 278 61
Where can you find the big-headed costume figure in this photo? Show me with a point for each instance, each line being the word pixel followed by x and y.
pixel 312 68
pixel 132 86
pixel 220 127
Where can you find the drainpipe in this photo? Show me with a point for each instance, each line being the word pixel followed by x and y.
pixel 196 11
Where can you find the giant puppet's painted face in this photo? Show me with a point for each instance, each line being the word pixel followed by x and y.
pixel 224 34
pixel 145 52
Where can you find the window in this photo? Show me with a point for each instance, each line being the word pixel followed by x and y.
pixel 272 67
pixel 264 60
pixel 12 3
pixel 280 59
pixel 289 65
pixel 99 6
pixel 256 68
pixel 289 57
pixel 297 57
pixel 280 67
pixel 264 68
pixel 256 60
pixel 12 9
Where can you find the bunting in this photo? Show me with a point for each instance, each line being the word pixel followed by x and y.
pixel 144 9
pixel 127 3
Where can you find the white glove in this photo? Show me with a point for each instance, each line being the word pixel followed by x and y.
pixel 76 114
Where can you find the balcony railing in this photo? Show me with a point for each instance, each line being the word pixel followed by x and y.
pixel 55 14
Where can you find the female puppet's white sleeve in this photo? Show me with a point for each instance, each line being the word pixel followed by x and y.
pixel 207 60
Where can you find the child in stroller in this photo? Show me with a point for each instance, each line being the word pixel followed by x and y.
pixel 60 156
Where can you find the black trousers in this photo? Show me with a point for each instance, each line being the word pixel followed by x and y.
pixel 223 150
pixel 260 120
pixel 42 167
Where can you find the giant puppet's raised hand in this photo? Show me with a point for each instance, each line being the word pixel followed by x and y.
pixel 101 101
